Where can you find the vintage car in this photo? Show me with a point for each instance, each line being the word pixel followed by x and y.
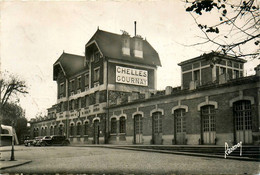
pixel 54 140
pixel 29 142
pixel 39 139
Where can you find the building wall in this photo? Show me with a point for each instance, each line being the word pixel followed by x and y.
pixel 220 97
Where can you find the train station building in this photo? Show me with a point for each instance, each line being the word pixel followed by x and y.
pixel 109 95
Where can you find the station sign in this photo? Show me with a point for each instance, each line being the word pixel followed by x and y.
pixel 131 76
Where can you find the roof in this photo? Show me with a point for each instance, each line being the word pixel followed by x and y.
pixel 211 55
pixel 110 45
pixel 183 92
pixel 70 63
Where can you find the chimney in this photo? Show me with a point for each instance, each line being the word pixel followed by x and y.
pixel 257 70
pixel 168 90
pixel 135 28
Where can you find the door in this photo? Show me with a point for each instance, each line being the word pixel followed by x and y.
pixel 180 126
pixel 96 132
pixel 138 129
pixel 243 122
pixel 157 128
pixel 208 124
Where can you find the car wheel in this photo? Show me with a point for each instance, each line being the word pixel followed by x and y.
pixel 42 144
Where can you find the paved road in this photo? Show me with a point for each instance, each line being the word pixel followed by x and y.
pixel 104 160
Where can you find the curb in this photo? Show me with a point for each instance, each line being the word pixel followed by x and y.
pixel 174 152
pixel 15 165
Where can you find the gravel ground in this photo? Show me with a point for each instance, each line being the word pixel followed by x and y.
pixel 110 161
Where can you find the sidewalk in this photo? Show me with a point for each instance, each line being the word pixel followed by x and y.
pixel 6 163
pixel 131 147
pixel 9 164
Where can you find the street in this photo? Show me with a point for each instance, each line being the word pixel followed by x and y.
pixel 107 161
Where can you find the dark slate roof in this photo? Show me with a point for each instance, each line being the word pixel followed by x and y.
pixel 110 45
pixel 211 55
pixel 71 64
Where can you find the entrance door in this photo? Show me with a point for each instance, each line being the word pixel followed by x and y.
pixel 157 128
pixel 138 129
pixel 96 132
pixel 243 121
pixel 180 126
pixel 208 124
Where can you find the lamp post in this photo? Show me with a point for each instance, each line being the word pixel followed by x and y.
pixel 12 150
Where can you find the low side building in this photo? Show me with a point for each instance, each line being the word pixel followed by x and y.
pixel 215 104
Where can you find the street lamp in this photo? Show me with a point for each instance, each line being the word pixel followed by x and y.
pixel 12 150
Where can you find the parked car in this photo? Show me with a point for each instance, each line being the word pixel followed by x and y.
pixel 39 139
pixel 28 142
pixel 36 140
pixel 54 140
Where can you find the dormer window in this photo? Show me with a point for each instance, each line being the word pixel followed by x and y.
pixel 138 47
pixel 126 45
pixel 96 56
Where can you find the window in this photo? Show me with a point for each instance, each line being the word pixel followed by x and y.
pixel 236 74
pixel 122 125
pixel 96 74
pixel 60 130
pixel 97 56
pixel 222 70
pixel 79 82
pixel 78 129
pixel 243 115
pixel 61 88
pixel 157 122
pixel 51 130
pixel 61 107
pixel 180 120
pixel 72 85
pixel 71 129
pixel 113 126
pixel 86 128
pixel 196 76
pixel 208 117
pixel 87 80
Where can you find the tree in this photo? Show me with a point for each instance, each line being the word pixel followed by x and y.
pixel 236 30
pixel 10 86
pixel 13 115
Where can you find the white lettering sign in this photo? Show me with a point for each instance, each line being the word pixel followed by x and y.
pixel 131 76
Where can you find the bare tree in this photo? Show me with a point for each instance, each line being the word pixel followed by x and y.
pixel 236 29
pixel 10 86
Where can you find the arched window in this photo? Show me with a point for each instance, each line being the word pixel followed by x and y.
pixel 71 129
pixel 86 128
pixel 42 132
pixel 180 120
pixel 54 130
pixel 122 125
pixel 78 128
pixel 157 122
pixel 51 130
pixel 208 116
pixel 61 130
pixel 243 121
pixel 35 132
pixel 113 126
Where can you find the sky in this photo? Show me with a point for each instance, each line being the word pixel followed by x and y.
pixel 34 34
